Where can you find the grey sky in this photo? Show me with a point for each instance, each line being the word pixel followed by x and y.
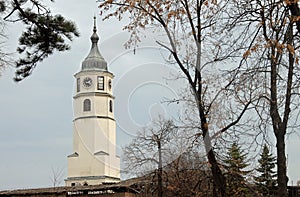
pixel 36 114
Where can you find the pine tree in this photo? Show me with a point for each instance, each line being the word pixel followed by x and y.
pixel 235 165
pixel 44 33
pixel 266 181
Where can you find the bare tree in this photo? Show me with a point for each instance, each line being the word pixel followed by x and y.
pixel 272 57
pixel 57 175
pixel 145 151
pixel 189 175
pixel 160 153
pixel 198 38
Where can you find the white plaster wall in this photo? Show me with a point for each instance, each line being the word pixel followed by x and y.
pixel 99 106
pixel 85 164
pixel 107 76
pixel 88 164
pixel 94 131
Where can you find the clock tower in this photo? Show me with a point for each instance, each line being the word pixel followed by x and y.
pixel 94 159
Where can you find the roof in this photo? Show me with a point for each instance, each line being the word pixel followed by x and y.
pixel 94 61
pixel 123 186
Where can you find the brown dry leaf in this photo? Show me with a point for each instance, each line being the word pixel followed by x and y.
pixel 246 54
pixel 290 49
pixel 205 126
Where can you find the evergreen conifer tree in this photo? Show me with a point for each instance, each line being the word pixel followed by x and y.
pixel 266 181
pixel 44 33
pixel 235 165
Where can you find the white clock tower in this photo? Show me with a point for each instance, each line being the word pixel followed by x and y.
pixel 94 159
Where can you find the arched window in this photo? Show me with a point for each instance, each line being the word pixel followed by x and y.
pixel 87 105
pixel 110 106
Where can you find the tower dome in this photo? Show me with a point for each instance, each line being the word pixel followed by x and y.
pixel 94 60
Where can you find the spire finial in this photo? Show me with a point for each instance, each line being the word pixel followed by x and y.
pixel 94 60
pixel 95 28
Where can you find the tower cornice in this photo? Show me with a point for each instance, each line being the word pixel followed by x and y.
pixel 89 72
pixel 98 117
pixel 84 94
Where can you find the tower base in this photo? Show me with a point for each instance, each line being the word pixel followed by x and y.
pixel 90 180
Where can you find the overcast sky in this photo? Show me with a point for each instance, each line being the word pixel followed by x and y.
pixel 36 115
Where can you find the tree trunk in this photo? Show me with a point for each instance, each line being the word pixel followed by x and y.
pixel 280 124
pixel 295 11
pixel 281 165
pixel 160 192
pixel 218 176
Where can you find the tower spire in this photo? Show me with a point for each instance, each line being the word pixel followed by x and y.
pixel 95 27
pixel 95 36
pixel 94 60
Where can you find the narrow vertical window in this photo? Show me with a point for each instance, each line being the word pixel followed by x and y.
pixel 109 84
pixel 87 105
pixel 110 106
pixel 78 84
pixel 100 83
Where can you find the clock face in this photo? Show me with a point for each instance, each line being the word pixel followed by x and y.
pixel 87 82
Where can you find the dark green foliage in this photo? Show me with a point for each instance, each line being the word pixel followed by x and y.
pixel 44 33
pixel 266 181
pixel 2 6
pixel 235 165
